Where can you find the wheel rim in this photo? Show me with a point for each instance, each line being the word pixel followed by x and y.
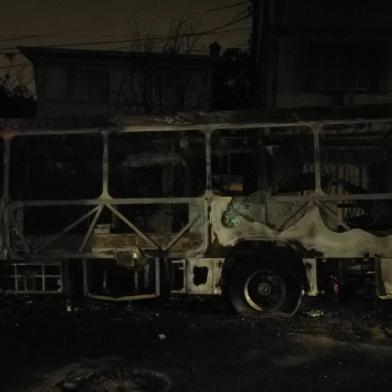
pixel 265 291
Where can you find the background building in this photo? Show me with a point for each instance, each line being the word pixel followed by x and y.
pixel 322 53
pixel 91 83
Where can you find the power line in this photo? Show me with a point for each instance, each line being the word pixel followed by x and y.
pixel 244 13
pixel 215 30
pixel 15 65
pixel 60 34
pixel 242 31
pixel 4 37
pixel 86 35
pixel 11 53
pixel 52 35
pixel 100 27
pixel 23 37
pixel 15 53
pixel 68 35
pixel 228 6
pixel 228 24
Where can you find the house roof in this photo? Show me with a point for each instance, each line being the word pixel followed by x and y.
pixel 33 53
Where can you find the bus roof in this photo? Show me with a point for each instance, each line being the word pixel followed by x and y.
pixel 194 120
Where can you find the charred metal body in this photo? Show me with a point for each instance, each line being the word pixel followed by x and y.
pixel 254 209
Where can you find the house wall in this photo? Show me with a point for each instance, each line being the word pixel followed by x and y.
pixel 293 29
pixel 292 72
pixel 130 87
pixel 336 13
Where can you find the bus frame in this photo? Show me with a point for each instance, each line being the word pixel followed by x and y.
pixel 260 268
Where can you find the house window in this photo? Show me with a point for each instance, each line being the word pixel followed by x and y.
pixel 343 69
pixel 98 86
pixel 55 82
pixel 87 85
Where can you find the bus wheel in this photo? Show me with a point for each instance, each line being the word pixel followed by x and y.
pixel 257 289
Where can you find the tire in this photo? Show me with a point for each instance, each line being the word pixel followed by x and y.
pixel 264 289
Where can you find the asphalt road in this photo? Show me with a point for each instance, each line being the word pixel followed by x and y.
pixel 197 345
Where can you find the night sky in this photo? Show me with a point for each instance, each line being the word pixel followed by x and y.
pixel 62 22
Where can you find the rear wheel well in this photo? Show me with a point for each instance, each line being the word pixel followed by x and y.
pixel 263 251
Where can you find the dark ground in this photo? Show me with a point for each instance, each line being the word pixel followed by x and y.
pixel 196 345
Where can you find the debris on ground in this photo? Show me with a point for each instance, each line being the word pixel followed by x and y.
pixel 314 313
pixel 209 343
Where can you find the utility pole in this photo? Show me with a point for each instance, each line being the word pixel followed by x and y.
pixel 264 51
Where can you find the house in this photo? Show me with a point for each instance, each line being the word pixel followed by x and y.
pixel 103 83
pixel 322 53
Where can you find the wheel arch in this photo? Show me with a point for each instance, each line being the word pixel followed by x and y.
pixel 264 251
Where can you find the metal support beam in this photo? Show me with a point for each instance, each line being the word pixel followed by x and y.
pixel 181 233
pixel 90 229
pixel 66 230
pixel 133 227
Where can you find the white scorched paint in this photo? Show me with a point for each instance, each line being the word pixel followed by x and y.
pixel 310 231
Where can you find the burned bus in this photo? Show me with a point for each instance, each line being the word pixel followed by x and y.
pixel 261 212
